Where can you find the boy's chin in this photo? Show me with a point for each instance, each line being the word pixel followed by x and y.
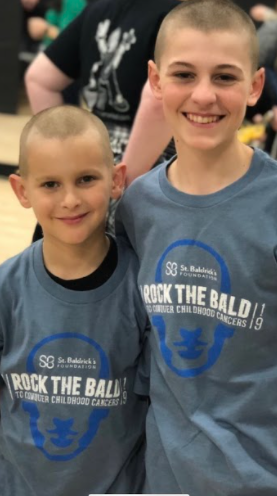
pixel 76 240
pixel 204 144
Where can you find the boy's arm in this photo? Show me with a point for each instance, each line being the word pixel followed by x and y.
pixel 149 136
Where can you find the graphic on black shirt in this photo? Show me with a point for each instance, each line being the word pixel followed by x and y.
pixel 192 308
pixel 66 397
pixel 103 89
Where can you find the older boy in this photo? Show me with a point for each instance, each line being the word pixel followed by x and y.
pixel 205 231
pixel 71 323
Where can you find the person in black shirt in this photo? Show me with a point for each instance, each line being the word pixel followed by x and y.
pixel 107 47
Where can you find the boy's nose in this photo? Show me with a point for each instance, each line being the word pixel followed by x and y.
pixel 204 93
pixel 70 199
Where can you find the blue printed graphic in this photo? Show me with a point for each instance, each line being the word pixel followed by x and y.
pixel 192 345
pixel 63 434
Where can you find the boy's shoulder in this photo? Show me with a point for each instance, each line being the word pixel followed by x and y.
pixel 148 181
pixel 17 266
pixel 128 262
pixel 267 164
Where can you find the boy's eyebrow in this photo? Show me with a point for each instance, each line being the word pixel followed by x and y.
pixel 228 66
pixel 56 176
pixel 191 66
pixel 44 178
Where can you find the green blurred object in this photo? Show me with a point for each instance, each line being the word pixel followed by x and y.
pixel 69 10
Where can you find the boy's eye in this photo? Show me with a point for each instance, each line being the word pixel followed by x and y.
pixel 86 179
pixel 50 184
pixel 184 75
pixel 226 78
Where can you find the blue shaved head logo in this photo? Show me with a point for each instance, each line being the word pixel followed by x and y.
pixel 73 423
pixel 199 339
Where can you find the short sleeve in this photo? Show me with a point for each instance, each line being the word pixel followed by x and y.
pixel 64 51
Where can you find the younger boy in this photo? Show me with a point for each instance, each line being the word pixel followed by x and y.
pixel 71 323
pixel 205 231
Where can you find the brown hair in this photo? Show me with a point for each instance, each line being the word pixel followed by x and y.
pixel 62 122
pixel 207 16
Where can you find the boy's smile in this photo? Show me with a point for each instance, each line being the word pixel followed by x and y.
pixel 73 219
pixel 200 119
pixel 205 81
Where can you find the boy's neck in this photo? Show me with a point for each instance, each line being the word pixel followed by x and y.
pixel 201 173
pixel 70 262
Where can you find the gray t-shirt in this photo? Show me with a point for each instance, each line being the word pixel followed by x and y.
pixel 71 424
pixel 208 277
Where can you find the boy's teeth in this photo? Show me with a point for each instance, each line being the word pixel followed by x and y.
pixel 202 120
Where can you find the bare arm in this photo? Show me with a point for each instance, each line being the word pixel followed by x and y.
pixel 149 136
pixel 44 83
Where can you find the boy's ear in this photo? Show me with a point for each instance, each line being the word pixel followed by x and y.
pixel 257 85
pixel 154 79
pixel 18 186
pixel 119 177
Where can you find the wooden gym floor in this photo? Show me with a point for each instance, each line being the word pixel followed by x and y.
pixel 16 223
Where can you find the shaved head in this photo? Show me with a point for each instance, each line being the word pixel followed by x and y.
pixel 207 16
pixel 61 123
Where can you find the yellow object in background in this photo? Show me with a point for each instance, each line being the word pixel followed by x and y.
pixel 255 133
pixel 249 133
